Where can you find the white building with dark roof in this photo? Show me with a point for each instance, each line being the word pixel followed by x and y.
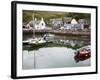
pixel 36 24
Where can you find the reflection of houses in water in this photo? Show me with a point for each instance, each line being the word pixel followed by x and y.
pixel 71 42
pixel 36 24
pixel 75 42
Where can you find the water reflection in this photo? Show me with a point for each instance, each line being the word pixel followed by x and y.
pixel 58 54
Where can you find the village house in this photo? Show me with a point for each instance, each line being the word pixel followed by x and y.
pixel 85 22
pixel 29 25
pixel 72 25
pixel 39 24
pixel 36 24
pixel 56 23
pixel 67 23
pixel 67 20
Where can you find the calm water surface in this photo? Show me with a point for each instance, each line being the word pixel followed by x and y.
pixel 52 55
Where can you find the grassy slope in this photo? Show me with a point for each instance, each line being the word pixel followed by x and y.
pixel 27 15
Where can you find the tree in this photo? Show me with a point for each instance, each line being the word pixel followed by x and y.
pixel 78 16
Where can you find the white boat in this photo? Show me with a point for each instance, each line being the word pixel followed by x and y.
pixel 49 37
pixel 37 41
pixel 27 41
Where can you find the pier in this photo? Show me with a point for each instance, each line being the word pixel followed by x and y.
pixel 58 32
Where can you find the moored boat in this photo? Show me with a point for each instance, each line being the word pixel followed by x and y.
pixel 82 54
pixel 26 42
pixel 37 42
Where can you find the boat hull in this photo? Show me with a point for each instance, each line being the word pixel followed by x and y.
pixel 82 57
pixel 82 54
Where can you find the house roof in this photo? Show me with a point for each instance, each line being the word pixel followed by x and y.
pixel 56 19
pixel 73 21
pixel 31 23
pixel 67 19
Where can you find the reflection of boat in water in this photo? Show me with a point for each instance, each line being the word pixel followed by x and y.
pixel 72 43
pixel 82 54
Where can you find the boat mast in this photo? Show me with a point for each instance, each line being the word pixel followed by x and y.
pixel 34 36
pixel 33 26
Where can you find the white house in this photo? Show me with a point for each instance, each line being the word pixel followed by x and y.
pixel 73 26
pixel 40 24
pixel 36 24
pixel 73 21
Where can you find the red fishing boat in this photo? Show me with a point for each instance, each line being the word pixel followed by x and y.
pixel 82 54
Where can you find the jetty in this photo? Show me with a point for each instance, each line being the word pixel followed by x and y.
pixel 58 32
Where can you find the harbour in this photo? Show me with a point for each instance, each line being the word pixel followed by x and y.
pixel 60 40
pixel 59 53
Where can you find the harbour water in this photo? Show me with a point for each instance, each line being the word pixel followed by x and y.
pixel 58 54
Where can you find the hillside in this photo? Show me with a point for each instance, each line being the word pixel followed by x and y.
pixel 27 15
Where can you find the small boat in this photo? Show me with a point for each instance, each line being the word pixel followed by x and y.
pixel 26 42
pixel 49 37
pixel 37 42
pixel 82 54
